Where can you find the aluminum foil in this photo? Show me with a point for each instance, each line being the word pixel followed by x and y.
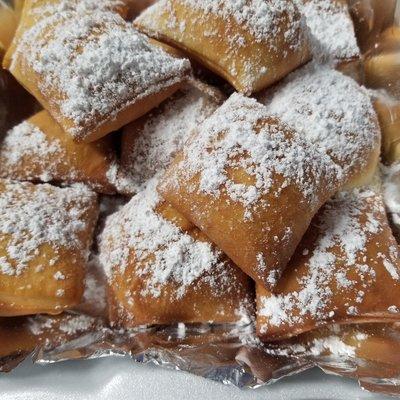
pixel 230 354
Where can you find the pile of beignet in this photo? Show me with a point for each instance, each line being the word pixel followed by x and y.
pixel 238 143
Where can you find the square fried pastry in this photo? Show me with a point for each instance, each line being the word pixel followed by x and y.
pixel 38 150
pixel 334 114
pixel 150 143
pixel 89 68
pixel 345 271
pixel 238 179
pixel 45 235
pixel 161 269
pixel 251 44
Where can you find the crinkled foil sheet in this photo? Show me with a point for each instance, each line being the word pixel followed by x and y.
pixel 228 354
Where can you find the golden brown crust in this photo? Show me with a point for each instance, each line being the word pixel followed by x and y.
pixel 175 276
pixel 345 271
pixel 258 209
pixel 89 110
pixel 248 68
pixel 39 150
pixel 43 258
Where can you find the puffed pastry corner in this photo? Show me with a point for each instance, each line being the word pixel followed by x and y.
pixel 45 236
pixel 38 150
pixel 162 270
pixel 90 69
pixel 345 271
pixel 250 44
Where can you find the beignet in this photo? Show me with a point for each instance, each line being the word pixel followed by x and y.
pixel 45 235
pixel 38 150
pixel 90 69
pixel 251 44
pixel 251 184
pixel 334 114
pixel 150 143
pixel 345 271
pixel 162 270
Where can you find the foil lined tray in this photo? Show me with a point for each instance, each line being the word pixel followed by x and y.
pixel 230 354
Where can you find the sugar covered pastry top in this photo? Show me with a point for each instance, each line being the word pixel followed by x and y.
pixel 251 43
pixel 260 17
pixel 33 216
pixel 346 269
pixel 44 8
pixel 94 63
pixel 331 29
pixel 231 139
pixel 331 111
pixel 163 254
pixel 150 143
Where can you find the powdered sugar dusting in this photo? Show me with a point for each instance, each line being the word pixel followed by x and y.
pixel 36 215
pixel 98 63
pixel 162 252
pixel 24 141
pixel 331 111
pixel 263 18
pixel 337 262
pixel 152 148
pixel 331 28
pixel 237 138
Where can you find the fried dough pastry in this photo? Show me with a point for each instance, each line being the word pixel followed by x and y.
pixel 238 179
pixel 389 119
pixel 331 30
pixel 251 44
pixel 345 271
pixel 150 143
pixel 333 113
pixel 89 68
pixel 161 269
pixel 45 235
pixel 38 150
pixel 382 63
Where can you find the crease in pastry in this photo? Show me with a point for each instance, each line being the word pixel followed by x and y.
pixel 150 143
pixel 238 179
pixel 45 236
pixel 251 44
pixel 346 271
pixel 331 30
pixel 333 113
pixel 38 150
pixel 161 269
pixel 91 70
